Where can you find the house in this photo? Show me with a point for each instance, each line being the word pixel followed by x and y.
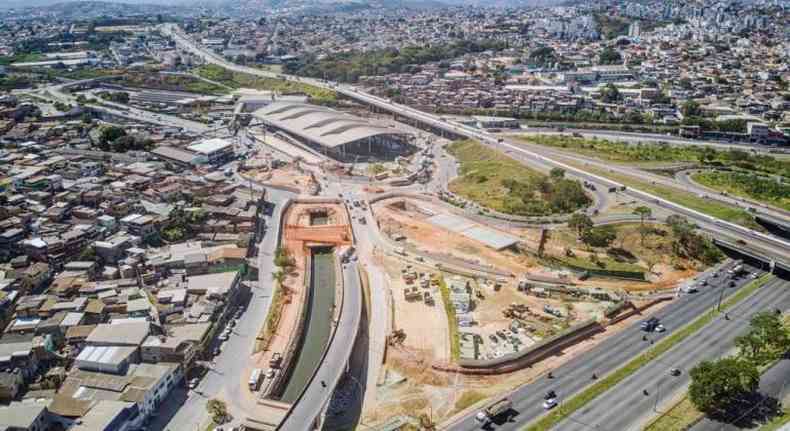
pixel 24 416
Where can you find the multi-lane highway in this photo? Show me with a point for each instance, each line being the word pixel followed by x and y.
pixel 771 245
pixel 625 407
pixel 607 356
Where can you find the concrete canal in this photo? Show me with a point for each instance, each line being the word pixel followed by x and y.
pixel 318 315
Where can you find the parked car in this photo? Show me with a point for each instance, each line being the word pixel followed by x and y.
pixel 193 383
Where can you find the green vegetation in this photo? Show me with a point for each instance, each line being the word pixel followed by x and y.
pixel 678 418
pixel 608 264
pixel 617 151
pixel 778 421
pixel 716 385
pixel 764 189
pixel 499 182
pixel 243 80
pixel 218 410
pixel 159 81
pixel 13 82
pixel 349 66
pixel 581 399
pixel 21 58
pixel 766 341
pixel 689 200
pixel 690 244
pixel 452 320
pixel 180 224
pixel 611 26
pixel 610 55
pixel 121 97
pixel 115 139
pixel 542 57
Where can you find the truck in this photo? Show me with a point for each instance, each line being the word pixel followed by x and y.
pixel 255 379
pixel 494 410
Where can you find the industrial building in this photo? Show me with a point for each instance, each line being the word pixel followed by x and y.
pixel 333 133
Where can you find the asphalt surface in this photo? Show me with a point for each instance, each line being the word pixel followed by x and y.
pixel 774 383
pixel 624 407
pixel 319 390
pixel 607 356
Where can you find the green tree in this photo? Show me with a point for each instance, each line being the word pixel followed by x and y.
pixel 691 109
pixel 580 223
pixel 610 56
pixel 610 94
pixel 717 385
pixel 218 410
pixel 601 236
pixel 766 340
pixel 557 173
pixel 643 212
pixel 109 134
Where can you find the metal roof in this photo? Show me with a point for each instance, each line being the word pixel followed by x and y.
pixel 324 126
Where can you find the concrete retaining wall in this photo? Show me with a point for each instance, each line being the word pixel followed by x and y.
pixel 527 357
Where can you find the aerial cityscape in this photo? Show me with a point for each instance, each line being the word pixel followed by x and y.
pixel 394 215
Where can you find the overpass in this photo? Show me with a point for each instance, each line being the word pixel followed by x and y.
pixel 771 246
pixel 780 265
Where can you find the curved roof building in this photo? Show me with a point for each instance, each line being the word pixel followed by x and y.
pixel 325 127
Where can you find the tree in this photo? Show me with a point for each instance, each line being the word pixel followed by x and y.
pixel 580 223
pixel 218 410
pixel 600 236
pixel 716 385
pixel 109 134
pixel 610 56
pixel 766 340
pixel 691 109
pixel 557 173
pixel 610 93
pixel 643 212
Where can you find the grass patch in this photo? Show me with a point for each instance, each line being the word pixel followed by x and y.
pixel 749 186
pixel 689 200
pixel 21 58
pixel 452 320
pixel 678 418
pixel 618 151
pixel 496 181
pixel 244 80
pixel 777 421
pixel 582 398
pixel 159 81
pixel 468 399
pixel 608 264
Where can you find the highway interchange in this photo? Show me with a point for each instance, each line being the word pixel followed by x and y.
pixel 569 378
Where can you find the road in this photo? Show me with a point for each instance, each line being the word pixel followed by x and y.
pixel 316 397
pixel 607 356
pixel 624 407
pixel 769 243
pixel 228 377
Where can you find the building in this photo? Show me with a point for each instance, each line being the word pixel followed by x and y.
pixel 341 135
pixel 213 151
pixel 24 416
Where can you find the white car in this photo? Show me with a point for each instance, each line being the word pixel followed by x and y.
pixel 660 328
pixel 193 383
pixel 550 403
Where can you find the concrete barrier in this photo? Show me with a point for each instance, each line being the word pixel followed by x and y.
pixel 527 357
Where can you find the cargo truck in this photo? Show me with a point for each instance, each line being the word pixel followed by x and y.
pixel 494 411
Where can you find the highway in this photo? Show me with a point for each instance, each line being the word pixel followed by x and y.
pixel 318 392
pixel 772 245
pixel 624 407
pixel 607 356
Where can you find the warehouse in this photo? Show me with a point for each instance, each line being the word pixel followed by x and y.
pixel 337 134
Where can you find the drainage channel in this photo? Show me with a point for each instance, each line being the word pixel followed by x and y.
pixel 320 299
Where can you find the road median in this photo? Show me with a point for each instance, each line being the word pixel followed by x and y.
pixel 582 398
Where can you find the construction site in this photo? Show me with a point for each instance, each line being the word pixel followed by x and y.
pixel 477 309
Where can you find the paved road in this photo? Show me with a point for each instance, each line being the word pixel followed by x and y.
pixel 319 390
pixel 228 379
pixel 610 354
pixel 684 177
pixel 624 407
pixel 774 383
